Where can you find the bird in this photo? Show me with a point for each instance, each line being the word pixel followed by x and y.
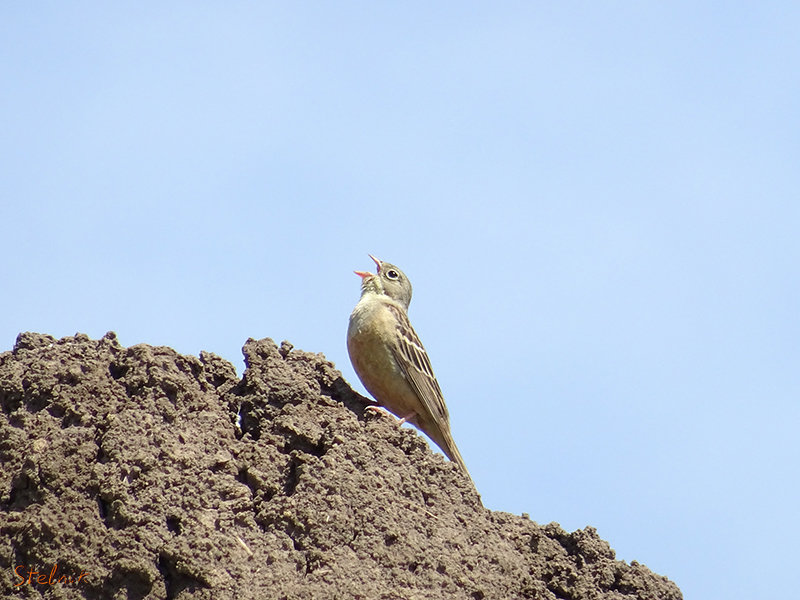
pixel 391 361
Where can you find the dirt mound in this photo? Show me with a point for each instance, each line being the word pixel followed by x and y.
pixel 139 473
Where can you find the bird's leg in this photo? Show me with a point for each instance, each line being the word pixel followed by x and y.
pixel 408 417
pixel 377 409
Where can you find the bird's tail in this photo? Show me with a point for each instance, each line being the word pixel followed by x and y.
pixel 448 446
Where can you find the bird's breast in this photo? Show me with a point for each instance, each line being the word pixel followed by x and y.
pixel 370 338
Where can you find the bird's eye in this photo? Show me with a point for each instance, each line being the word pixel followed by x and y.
pixel 392 274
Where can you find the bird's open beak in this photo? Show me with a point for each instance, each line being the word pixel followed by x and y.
pixel 377 262
pixel 365 274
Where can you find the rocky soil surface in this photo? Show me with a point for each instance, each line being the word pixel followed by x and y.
pixel 132 473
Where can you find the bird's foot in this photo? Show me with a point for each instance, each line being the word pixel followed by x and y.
pixel 375 408
pixel 379 410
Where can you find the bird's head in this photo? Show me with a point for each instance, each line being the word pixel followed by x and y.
pixel 389 280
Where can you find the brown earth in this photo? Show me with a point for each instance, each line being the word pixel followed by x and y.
pixel 140 473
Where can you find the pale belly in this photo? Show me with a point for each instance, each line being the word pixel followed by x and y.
pixel 372 358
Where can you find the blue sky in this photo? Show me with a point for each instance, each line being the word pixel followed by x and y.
pixel 597 205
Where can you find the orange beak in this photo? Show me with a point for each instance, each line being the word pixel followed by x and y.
pixel 364 274
pixel 377 262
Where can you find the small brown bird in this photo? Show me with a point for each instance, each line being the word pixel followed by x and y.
pixel 391 361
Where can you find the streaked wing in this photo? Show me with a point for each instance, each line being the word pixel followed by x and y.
pixel 413 360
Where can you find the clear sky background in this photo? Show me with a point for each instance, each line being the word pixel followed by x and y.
pixel 598 205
